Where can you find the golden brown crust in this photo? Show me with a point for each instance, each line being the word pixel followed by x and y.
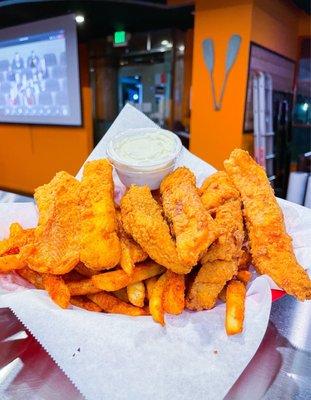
pixel 271 247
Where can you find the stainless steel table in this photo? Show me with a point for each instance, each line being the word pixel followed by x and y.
pixel 280 370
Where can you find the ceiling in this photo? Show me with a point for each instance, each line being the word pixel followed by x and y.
pixel 102 17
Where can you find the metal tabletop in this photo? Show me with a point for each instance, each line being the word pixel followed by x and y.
pixel 280 369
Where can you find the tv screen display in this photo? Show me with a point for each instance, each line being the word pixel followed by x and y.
pixel 39 73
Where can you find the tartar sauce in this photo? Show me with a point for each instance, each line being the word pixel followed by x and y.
pixel 144 148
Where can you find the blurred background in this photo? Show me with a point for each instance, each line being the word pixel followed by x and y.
pixel 57 103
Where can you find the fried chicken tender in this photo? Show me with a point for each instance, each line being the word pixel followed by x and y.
pixel 271 247
pixel 142 219
pixel 220 262
pixel 217 189
pixel 55 246
pixel 18 238
pixel 209 282
pixel 192 225
pixel 131 252
pixel 228 246
pixel 99 243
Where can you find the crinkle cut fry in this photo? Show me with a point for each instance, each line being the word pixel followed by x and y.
pixel 271 247
pixel 55 247
pixel 193 227
pixel 99 243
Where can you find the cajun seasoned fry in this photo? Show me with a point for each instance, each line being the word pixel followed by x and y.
pixel 149 285
pixel 31 276
pixel 82 287
pixel 121 294
pixel 85 303
pixel 174 293
pixel 235 305
pixel 57 290
pixel 115 280
pixel 112 304
pixel 156 300
pixel 136 293
pixel 244 276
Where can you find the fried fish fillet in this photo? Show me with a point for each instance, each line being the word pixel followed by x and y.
pixel 131 252
pixel 192 225
pixel 228 245
pixel 142 219
pixel 18 238
pixel 271 247
pixel 209 282
pixel 217 189
pixel 55 246
pixel 99 243
pixel 220 262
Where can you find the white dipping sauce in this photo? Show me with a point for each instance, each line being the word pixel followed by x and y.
pixel 144 148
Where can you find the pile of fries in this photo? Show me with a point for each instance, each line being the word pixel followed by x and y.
pixel 158 252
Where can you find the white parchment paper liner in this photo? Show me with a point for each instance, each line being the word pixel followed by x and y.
pixel 119 357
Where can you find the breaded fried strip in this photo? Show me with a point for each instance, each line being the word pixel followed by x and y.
pixel 192 225
pixel 11 262
pixel 142 219
pixel 99 242
pixel 209 282
pixel 271 247
pixel 131 252
pixel 55 247
pixel 18 238
pixel 217 189
pixel 230 220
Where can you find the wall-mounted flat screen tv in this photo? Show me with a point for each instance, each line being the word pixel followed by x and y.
pixel 39 73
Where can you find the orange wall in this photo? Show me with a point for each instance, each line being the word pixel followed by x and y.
pixel 275 25
pixel 30 155
pixel 215 133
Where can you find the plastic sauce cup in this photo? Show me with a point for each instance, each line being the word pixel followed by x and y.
pixel 142 172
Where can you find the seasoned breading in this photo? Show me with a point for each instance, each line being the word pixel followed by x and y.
pixel 209 282
pixel 217 189
pixel 192 225
pixel 99 243
pixel 220 194
pixel 55 246
pixel 131 252
pixel 142 219
pixel 230 220
pixel 271 247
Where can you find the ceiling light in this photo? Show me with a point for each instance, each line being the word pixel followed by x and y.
pixel 305 107
pixel 165 42
pixel 79 19
pixel 169 45
pixel 181 48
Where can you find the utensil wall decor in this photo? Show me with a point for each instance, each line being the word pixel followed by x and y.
pixel 208 54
